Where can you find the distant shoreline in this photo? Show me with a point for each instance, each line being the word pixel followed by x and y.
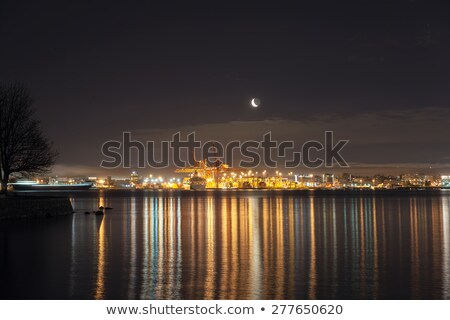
pixel 63 193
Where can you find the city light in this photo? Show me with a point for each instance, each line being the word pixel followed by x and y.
pixel 237 179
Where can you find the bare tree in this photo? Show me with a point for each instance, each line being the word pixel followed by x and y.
pixel 24 149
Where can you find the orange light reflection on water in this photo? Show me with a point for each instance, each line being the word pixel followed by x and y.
pixel 209 247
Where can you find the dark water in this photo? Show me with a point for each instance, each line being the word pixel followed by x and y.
pixel 233 245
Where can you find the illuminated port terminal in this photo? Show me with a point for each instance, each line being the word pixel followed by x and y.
pixel 210 177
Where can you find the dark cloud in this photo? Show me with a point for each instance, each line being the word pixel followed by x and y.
pixel 414 139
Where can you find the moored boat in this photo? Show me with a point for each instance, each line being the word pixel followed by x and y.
pixel 197 183
pixel 34 186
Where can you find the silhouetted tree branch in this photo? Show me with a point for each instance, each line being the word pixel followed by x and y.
pixel 23 147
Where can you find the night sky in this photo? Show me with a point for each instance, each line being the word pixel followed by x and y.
pixel 375 72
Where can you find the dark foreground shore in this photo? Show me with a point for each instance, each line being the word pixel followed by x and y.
pixel 34 207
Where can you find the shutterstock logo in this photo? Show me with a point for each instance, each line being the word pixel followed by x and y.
pixel 246 154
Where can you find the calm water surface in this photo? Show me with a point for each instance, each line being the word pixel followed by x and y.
pixel 233 245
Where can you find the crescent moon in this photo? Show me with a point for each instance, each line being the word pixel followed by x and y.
pixel 254 104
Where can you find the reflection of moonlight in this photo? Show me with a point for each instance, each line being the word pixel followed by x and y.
pixel 255 102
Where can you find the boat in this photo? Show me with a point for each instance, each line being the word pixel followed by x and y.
pixel 198 183
pixel 34 186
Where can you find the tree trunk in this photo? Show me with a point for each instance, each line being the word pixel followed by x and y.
pixel 4 183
